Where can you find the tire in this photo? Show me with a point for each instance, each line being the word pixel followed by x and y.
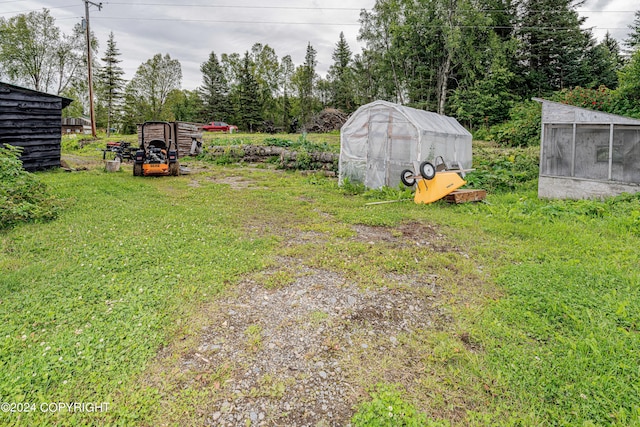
pixel 427 170
pixel 406 176
pixel 137 169
pixel 174 169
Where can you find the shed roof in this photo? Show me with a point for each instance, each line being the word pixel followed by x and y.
pixel 65 101
pixel 558 113
pixel 424 120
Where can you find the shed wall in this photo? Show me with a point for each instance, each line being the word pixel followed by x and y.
pixel 31 120
pixel 183 130
pixel 587 154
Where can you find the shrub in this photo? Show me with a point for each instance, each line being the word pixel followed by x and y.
pixel 523 127
pixel 500 170
pixel 22 197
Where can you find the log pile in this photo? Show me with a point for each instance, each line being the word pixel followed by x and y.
pixel 283 158
pixel 327 120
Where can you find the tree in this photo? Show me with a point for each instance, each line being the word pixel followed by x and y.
pixel 603 61
pixel 286 73
pixel 553 47
pixel 186 106
pixel 151 85
pixel 266 70
pixel 341 76
pixel 214 90
pixel 110 82
pixel 384 61
pixel 305 78
pixel 629 77
pixel 34 52
pixel 633 40
pixel 249 108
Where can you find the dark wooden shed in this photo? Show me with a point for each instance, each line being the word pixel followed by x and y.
pixel 32 120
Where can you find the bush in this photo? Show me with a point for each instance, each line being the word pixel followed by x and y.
pixel 523 127
pixel 22 197
pixel 504 170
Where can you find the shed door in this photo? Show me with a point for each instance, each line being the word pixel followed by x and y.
pixel 377 154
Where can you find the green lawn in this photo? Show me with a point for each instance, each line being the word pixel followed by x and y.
pixel 545 305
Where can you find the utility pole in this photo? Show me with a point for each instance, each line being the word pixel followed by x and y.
pixel 92 115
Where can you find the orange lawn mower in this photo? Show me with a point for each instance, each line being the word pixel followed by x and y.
pixel 434 181
pixel 157 157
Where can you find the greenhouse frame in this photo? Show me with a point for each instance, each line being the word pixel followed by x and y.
pixel 587 154
pixel 381 139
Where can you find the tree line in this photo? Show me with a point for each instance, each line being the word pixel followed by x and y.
pixel 476 60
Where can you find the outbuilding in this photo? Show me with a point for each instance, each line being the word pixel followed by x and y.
pixel 381 139
pixel 32 120
pixel 586 154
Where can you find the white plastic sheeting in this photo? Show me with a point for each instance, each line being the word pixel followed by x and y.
pixel 381 139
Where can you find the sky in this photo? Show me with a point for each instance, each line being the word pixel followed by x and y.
pixel 189 30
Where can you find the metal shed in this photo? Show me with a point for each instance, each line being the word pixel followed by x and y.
pixel 587 154
pixel 381 139
pixel 32 120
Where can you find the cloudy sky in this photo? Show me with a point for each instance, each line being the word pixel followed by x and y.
pixel 189 30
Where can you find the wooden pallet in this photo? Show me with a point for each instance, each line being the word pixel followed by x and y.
pixel 465 196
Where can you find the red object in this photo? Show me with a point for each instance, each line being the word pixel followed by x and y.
pixel 219 127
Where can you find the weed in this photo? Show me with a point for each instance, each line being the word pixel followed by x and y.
pixel 387 407
pixel 253 333
pixel 352 188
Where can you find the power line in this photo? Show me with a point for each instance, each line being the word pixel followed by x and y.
pixel 226 21
pixel 221 6
pixel 38 10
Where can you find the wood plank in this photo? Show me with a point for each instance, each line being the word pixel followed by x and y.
pixel 466 196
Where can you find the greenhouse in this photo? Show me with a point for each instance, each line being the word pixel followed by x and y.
pixel 381 139
pixel 587 154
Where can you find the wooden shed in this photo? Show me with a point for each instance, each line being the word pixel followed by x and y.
pixel 32 120
pixel 183 131
pixel 587 154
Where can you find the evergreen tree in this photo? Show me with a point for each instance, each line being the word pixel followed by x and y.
pixel 249 108
pixel 341 77
pixel 633 40
pixel 553 47
pixel 214 90
pixel 110 83
pixel 603 62
pixel 306 79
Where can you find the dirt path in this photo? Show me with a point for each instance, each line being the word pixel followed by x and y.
pixel 298 345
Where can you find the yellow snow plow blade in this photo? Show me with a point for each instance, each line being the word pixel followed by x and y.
pixel 432 190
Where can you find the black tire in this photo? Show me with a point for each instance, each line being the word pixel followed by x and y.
pixel 137 169
pixel 174 169
pixel 427 170
pixel 406 176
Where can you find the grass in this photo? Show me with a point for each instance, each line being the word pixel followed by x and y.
pixel 544 296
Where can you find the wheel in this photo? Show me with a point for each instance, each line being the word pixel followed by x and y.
pixel 406 176
pixel 174 169
pixel 427 170
pixel 137 169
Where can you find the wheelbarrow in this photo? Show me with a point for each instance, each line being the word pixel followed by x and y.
pixel 434 181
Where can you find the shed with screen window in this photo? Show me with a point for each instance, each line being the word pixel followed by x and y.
pixel 587 154
pixel 381 139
